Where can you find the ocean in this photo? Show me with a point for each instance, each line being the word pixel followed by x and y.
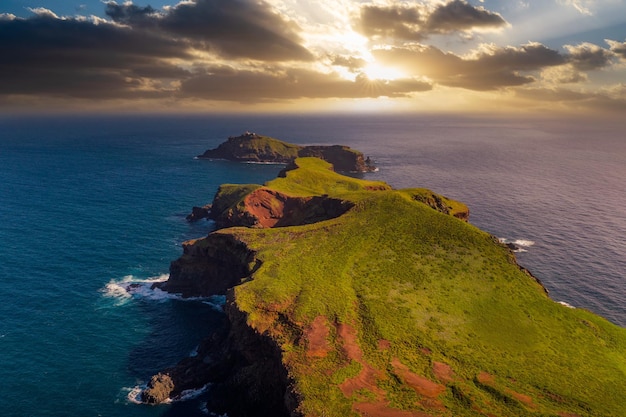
pixel 89 204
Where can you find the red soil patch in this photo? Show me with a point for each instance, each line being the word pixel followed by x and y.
pixel 443 372
pixel 366 379
pixel 384 344
pixel 266 205
pixel 316 336
pixel 349 342
pixel 381 409
pixel 485 378
pixel 420 384
pixel 524 399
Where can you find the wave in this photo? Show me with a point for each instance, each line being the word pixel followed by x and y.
pixel 130 287
pixel 568 305
pixel 133 395
pixel 516 245
pixel 125 289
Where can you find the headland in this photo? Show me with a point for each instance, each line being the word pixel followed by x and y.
pixel 346 297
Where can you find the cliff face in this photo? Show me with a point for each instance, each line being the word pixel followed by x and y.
pixel 265 207
pixel 210 266
pixel 251 147
pixel 391 306
pixel 244 368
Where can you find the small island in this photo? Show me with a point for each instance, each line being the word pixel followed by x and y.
pixel 251 147
pixel 346 297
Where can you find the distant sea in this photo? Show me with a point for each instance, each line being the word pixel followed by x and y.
pixel 90 204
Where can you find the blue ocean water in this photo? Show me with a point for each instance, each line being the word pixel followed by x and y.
pixel 89 204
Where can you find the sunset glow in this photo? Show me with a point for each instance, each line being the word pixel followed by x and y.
pixel 277 55
pixel 376 71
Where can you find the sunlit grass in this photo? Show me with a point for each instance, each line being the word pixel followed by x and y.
pixel 434 289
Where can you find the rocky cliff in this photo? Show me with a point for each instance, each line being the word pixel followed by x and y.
pixel 251 147
pixel 370 301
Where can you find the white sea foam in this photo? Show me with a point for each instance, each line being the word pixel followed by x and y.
pixel 264 163
pixel 520 244
pixel 190 394
pixel 123 290
pixel 131 287
pixel 568 305
pixel 523 242
pixel 133 395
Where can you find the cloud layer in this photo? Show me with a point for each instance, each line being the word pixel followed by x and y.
pixel 246 51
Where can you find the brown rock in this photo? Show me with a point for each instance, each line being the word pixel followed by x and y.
pixel 159 389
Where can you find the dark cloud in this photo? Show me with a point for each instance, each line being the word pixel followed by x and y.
pixel 233 28
pixel 414 23
pixel 459 15
pixel 587 56
pixel 76 57
pixel 391 22
pixel 254 86
pixel 79 58
pixel 130 14
pixel 489 70
pixel 350 62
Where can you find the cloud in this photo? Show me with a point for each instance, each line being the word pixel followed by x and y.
pixel 232 28
pixel 563 74
pixel 487 69
pixel 392 22
pixel 459 15
pixel 583 6
pixel 136 57
pixel 587 56
pixel 417 22
pixel 291 83
pixel 46 54
pixel 352 63
pixel 618 48
pixel 611 100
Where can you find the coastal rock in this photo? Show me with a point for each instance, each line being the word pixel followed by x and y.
pixel 343 158
pixel 251 147
pixel 199 213
pixel 440 203
pixel 209 266
pixel 159 389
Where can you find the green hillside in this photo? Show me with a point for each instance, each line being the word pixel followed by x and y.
pixel 397 308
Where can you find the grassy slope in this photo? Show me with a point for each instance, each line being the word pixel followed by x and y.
pixel 265 144
pixel 438 290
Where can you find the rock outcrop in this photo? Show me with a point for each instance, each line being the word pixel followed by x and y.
pixel 251 147
pixel 199 213
pixel 210 266
pixel 243 367
pixel 265 207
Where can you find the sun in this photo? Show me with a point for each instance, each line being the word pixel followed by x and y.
pixel 375 71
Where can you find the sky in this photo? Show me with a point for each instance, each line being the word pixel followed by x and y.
pixel 483 56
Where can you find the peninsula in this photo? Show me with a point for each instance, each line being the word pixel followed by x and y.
pixel 251 147
pixel 346 297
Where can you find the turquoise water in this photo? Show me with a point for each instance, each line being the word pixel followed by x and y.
pixel 89 204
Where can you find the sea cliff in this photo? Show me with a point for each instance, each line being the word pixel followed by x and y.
pixel 346 297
